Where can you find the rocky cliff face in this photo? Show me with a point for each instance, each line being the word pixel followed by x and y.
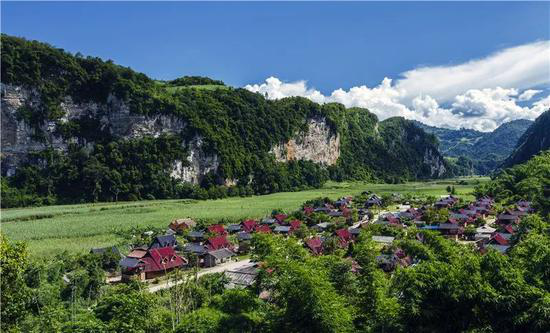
pixel 318 144
pixel 19 138
pixel 435 162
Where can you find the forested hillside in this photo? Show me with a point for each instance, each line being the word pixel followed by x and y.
pixel 534 140
pixel 479 152
pixel 78 128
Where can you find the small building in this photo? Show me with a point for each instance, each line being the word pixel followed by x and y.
pixel 163 241
pixel 180 225
pixel 156 262
pixel 216 257
pixel 218 242
pixel 195 248
pixel 249 225
pixel 269 221
pixel 241 278
pixel 217 229
pixel 320 227
pixel 295 224
pixel 196 235
pixel 232 228
pixel 315 244
pixel 344 237
pixel 280 217
pixel 244 236
pixel 263 229
pixel 282 229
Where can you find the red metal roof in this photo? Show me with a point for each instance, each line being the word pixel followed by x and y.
pixel 263 229
pixel 249 225
pixel 500 240
pixel 218 242
pixel 217 229
pixel 161 259
pixel 308 210
pixel 295 224
pixel 280 217
pixel 315 245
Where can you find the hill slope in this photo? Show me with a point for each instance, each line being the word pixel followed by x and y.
pixel 79 128
pixel 486 150
pixel 533 141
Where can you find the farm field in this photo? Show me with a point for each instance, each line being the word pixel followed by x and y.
pixel 77 228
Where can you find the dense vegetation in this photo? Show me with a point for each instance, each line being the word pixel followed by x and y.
pixel 475 152
pixel 528 181
pixel 534 140
pixel 451 287
pixel 238 126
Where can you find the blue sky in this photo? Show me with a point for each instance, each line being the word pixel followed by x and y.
pixel 329 45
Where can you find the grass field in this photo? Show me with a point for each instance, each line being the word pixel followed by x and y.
pixel 49 230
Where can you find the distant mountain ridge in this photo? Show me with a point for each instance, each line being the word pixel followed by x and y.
pixel 534 140
pixel 486 151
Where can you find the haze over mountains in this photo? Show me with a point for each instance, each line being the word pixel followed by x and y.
pixel 486 150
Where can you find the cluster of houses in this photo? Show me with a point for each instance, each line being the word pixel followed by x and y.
pixel 211 246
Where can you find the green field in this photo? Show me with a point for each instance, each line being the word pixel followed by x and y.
pixel 49 230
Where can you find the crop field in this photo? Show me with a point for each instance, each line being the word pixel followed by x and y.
pixel 77 228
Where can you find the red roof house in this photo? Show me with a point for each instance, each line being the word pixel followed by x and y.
pixel 295 224
pixel 499 239
pixel 249 225
pixel 315 245
pixel 154 263
pixel 263 229
pixel 344 236
pixel 217 229
pixel 218 242
pixel 280 217
pixel 308 210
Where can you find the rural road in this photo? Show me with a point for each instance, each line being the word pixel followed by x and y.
pixel 228 266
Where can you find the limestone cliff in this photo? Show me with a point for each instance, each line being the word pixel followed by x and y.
pixel 318 144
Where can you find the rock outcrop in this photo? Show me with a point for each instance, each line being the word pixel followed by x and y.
pixel 318 144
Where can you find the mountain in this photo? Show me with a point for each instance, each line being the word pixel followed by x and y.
pixel 533 141
pixel 486 151
pixel 77 129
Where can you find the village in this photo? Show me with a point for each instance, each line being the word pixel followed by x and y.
pixel 323 226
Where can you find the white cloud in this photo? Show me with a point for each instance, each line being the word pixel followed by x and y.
pixel 519 67
pixel 481 94
pixel 528 94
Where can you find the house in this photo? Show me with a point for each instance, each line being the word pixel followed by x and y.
pixel 157 262
pixel 295 224
pixel 195 235
pixel 374 200
pixel 386 240
pixel 325 210
pixel 244 236
pixel 497 242
pixel 282 229
pixel 217 229
pixel 216 257
pixel 249 225
pixel 218 242
pixel 195 248
pixel 242 277
pixel 308 210
pixel 263 229
pixel 280 217
pixel 451 229
pixel 163 241
pixel 232 228
pixel 268 221
pixel 315 245
pixel 485 230
pixel 180 225
pixel 344 236
pixel 336 213
pixel 509 229
pixel 320 227
pixel 138 252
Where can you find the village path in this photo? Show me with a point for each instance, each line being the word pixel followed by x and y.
pixel 228 266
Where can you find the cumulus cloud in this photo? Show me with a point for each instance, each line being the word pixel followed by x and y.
pixel 480 94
